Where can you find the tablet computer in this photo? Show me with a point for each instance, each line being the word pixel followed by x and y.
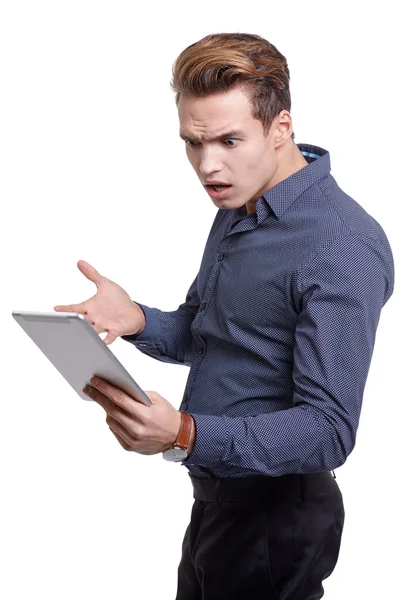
pixel 77 351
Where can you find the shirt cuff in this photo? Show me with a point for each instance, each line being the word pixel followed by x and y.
pixel 211 441
pixel 150 336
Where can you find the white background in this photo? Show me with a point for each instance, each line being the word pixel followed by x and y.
pixel 92 168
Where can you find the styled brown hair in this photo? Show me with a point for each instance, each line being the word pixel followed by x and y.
pixel 222 61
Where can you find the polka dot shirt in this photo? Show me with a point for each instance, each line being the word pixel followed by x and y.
pixel 278 329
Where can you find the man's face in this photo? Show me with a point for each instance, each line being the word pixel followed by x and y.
pixel 227 145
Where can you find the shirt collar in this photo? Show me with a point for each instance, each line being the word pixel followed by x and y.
pixel 282 195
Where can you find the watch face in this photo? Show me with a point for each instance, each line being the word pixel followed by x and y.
pixel 175 454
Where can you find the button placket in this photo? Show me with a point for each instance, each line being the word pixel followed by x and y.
pixel 196 323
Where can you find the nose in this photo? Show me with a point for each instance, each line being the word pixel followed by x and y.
pixel 210 162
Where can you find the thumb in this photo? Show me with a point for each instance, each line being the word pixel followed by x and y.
pixel 90 272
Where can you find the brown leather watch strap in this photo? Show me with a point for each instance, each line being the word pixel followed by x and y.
pixel 185 430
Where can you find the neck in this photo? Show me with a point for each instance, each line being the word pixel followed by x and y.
pixel 289 160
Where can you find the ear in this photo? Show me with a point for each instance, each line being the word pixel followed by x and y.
pixel 283 128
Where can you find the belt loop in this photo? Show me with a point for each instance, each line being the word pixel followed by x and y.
pixel 216 490
pixel 334 476
pixel 302 485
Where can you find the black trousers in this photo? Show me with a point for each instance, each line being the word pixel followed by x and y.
pixel 261 538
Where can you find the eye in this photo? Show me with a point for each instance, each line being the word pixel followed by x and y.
pixel 191 144
pixel 231 141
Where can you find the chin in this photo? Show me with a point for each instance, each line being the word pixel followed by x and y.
pixel 227 204
pixel 224 205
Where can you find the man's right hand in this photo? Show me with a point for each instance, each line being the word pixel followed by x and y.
pixel 110 310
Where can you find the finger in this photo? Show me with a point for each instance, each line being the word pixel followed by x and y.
pixel 78 308
pixel 110 338
pixel 127 403
pixel 100 398
pixel 124 432
pixel 98 328
pixel 113 410
pixel 130 429
pixel 121 440
pixel 90 272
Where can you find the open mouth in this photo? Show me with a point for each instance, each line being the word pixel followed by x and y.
pixel 218 188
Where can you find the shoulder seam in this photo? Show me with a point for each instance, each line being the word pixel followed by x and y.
pixel 334 208
pixel 351 234
pixel 322 250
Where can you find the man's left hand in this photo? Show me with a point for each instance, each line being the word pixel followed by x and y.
pixel 137 427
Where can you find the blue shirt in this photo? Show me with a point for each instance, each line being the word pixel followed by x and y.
pixel 278 329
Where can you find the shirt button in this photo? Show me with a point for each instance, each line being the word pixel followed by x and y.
pixel 201 351
pixel 143 345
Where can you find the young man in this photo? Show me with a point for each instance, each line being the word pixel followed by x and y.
pixel 278 328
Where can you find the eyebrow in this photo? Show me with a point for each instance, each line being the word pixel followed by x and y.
pixel 229 134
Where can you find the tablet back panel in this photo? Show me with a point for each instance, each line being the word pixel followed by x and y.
pixel 77 351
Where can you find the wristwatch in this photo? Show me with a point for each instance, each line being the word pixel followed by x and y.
pixel 178 451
